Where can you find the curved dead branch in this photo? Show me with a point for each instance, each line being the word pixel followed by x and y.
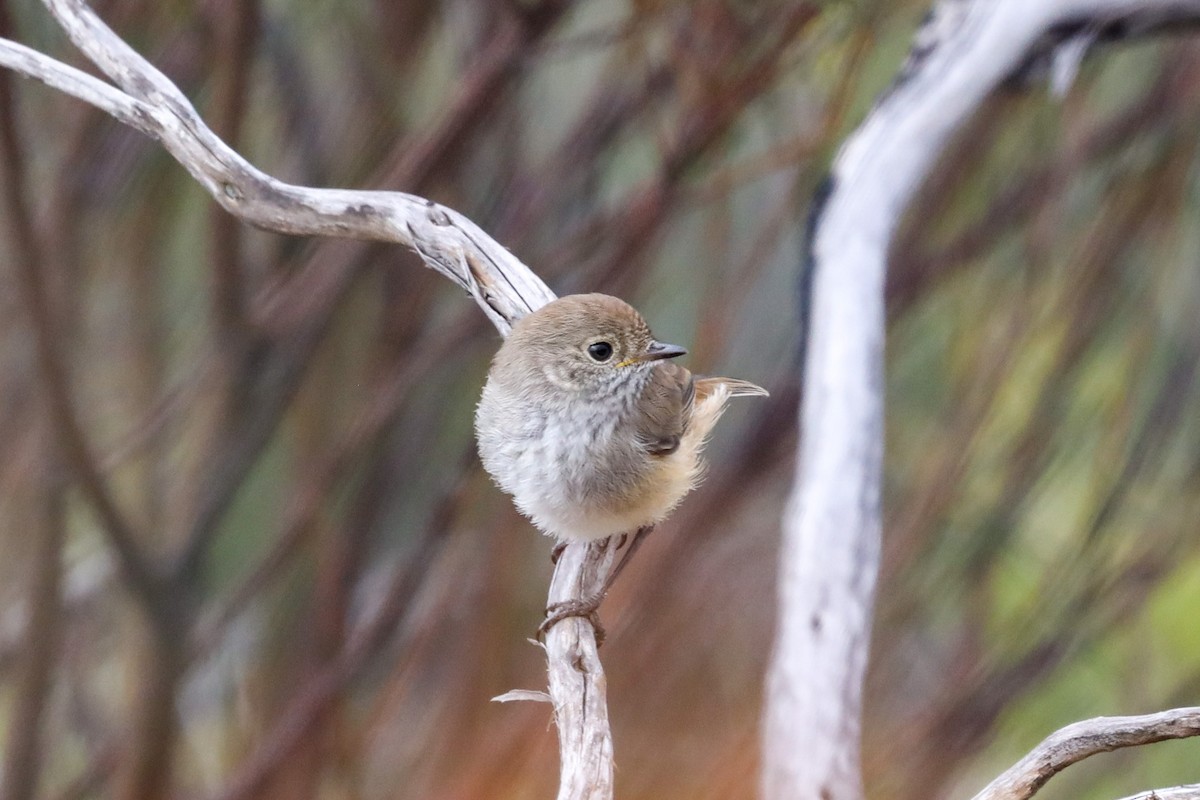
pixel 1076 742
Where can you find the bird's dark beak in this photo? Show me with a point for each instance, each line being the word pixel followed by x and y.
pixel 658 350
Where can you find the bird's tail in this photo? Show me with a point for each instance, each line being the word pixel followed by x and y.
pixel 732 387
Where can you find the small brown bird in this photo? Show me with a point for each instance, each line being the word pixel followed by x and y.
pixel 588 426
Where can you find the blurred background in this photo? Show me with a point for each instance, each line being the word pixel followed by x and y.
pixel 246 547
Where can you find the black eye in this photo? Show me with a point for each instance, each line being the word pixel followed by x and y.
pixel 600 351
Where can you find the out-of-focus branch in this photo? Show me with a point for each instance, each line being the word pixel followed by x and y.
pixel 478 91
pixel 236 32
pixel 32 278
pixel 144 774
pixel 832 527
pixel 1082 739
pixel 86 784
pixel 961 716
pixel 44 619
pixel 42 638
pixel 611 243
pixel 324 476
pixel 316 697
pixel 913 268
pixel 235 37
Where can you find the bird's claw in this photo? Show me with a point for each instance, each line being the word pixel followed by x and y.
pixel 586 608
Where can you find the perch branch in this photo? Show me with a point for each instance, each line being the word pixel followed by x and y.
pixel 584 739
pixel 448 242
pixel 1087 738
pixel 831 539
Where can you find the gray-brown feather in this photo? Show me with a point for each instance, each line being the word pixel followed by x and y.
pixel 666 406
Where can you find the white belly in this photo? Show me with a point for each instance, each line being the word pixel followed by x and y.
pixel 576 476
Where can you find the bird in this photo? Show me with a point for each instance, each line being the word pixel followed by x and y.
pixel 589 425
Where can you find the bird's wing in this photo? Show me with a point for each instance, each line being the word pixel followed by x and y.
pixel 666 408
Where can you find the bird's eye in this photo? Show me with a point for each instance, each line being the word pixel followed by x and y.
pixel 600 351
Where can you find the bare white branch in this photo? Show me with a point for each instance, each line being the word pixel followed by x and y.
pixel 1189 792
pixel 831 541
pixel 1082 739
pixel 447 241
pixel 76 83
pixel 584 740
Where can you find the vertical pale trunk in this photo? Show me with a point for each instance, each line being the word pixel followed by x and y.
pixel 831 528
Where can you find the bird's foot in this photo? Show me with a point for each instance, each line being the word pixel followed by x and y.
pixel 587 607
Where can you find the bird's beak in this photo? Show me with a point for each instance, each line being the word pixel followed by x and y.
pixel 658 350
pixel 655 352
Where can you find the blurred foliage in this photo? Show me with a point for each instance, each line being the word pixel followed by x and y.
pixel 285 425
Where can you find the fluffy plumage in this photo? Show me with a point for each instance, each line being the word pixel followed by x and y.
pixel 590 447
